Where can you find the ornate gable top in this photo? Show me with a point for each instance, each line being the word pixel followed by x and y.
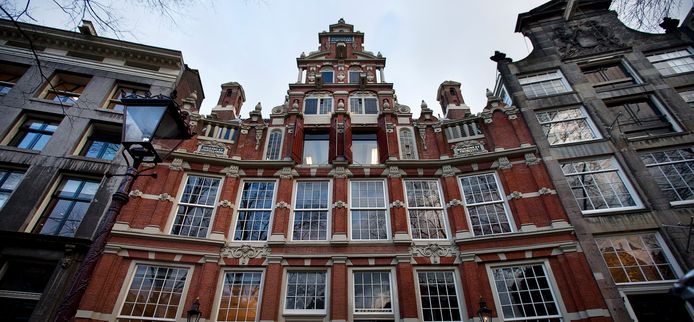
pixel 556 8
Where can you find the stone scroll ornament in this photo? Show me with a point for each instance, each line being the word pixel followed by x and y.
pixel 585 37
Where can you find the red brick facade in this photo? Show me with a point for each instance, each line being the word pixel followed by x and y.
pixel 525 226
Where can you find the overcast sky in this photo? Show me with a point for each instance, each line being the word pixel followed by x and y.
pixel 256 42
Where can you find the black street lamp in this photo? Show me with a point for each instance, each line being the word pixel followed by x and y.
pixel 194 313
pixel 484 313
pixel 146 118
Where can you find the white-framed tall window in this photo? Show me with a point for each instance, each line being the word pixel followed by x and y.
pixel 599 185
pixel 674 61
pixel 240 296
pixel 372 293
pixel 637 258
pixel 318 105
pixel 544 84
pixel 274 145
pixel 363 104
pixel 673 171
pixel 328 75
pixel 485 203
pixel 311 210
pixel 408 145
pixel 567 125
pixel 365 148
pixel 439 295
pixel 368 211
pixel 255 210
pixel 354 75
pixel 525 292
pixel 155 293
pixel 425 209
pixel 196 206
pixel 306 292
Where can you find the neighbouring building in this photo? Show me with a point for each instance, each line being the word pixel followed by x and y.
pixel 342 206
pixel 60 133
pixel 610 109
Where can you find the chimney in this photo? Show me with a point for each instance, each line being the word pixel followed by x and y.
pixel 87 28
pixel 230 101
pixel 451 100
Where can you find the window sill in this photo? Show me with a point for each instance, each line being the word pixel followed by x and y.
pixel 561 145
pixel 47 101
pixel 681 204
pixel 614 211
pixel 659 136
pixel 83 158
pixel 16 149
pixel 108 110
pixel 549 96
pixel 676 75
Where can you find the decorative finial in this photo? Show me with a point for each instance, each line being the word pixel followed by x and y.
pixel 341 20
pixel 258 107
pixel 379 55
pixel 424 105
pixel 303 55
pixel 489 93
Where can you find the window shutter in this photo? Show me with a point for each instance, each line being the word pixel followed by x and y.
pixel 298 141
pixel 332 140
pixel 382 139
pixel 348 140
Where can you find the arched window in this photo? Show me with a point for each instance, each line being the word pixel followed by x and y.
pixel 327 75
pixel 354 75
pixel 408 146
pixel 274 146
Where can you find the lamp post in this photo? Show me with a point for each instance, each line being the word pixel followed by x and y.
pixel 194 313
pixel 484 313
pixel 145 118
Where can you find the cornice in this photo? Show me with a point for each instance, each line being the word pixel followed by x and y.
pixel 490 156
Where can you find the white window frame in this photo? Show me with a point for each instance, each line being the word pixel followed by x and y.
pixel 177 203
pixel 658 164
pixel 616 167
pixel 444 214
pixel 125 287
pixel 456 280
pixel 503 201
pixel 385 209
pixel 526 80
pixel 654 59
pixel 325 70
pixel 556 293
pixel 414 142
pixel 349 75
pixel 239 209
pixel 267 143
pixel 353 315
pixel 216 132
pixel 362 98
pixel 295 315
pixel 451 131
pixel 220 289
pixel 320 98
pixel 329 211
pixel 591 125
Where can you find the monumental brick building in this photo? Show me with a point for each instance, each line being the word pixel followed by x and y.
pixel 610 109
pixel 342 206
pixel 60 129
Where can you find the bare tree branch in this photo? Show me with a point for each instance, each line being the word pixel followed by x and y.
pixel 646 14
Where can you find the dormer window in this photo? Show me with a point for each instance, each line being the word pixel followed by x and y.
pixel 328 76
pixel 363 105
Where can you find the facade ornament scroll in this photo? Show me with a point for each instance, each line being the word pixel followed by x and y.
pixel 504 163
pixel 531 159
pixel 511 112
pixel 437 128
pixel 448 171
pixel 434 252
pixel 286 173
pixel 282 205
pixel 340 204
pixel 546 191
pixel 258 136
pixel 423 135
pixel 226 204
pixel 135 194
pixel 245 128
pixel 393 172
pixel 397 204
pixel 245 253
pixel 487 117
pixel 341 76
pixel 232 171
pixel 454 202
pixel 165 197
pixel 390 128
pixel 340 173
pixel 585 38
pixel 515 195
pixel 176 164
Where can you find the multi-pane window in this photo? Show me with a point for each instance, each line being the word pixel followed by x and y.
pixel 372 292
pixel 122 89
pixel 544 84
pixel 240 296
pixel 525 293
pixel 688 96
pixel 365 148
pixel 155 293
pixel 65 88
pixel 221 132
pixel 196 206
pixel 673 62
pixel 673 171
pixel 599 185
pixel 439 296
pixel 635 258
pixel 306 292
pixel 255 210
pixel 103 146
pixel 316 148
pixel 567 125
pixel 9 75
pixel 408 146
pixel 21 284
pixel 608 76
pixel 363 105
pixel 67 207
pixel 485 204
pixel 354 76
pixel 461 131
pixel 425 209
pixel 641 117
pixel 368 210
pixel 9 180
pixel 318 105
pixel 34 134
pixel 328 76
pixel 311 207
pixel 274 145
